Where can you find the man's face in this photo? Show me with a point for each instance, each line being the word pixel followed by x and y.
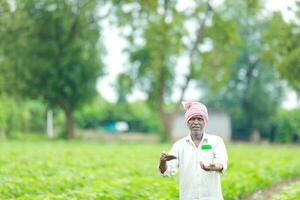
pixel 196 123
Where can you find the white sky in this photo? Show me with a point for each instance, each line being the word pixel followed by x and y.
pixel 116 59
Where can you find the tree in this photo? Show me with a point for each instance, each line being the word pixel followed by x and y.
pixel 253 91
pixel 158 35
pixel 283 47
pixel 60 60
pixel 12 23
pixel 4 7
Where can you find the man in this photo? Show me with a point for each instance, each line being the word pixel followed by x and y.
pixel 197 180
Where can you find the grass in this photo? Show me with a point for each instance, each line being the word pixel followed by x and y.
pixel 89 170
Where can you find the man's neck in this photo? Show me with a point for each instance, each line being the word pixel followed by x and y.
pixel 197 137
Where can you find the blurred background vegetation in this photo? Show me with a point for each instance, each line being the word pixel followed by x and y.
pixel 239 55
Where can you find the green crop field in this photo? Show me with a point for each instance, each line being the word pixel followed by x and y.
pixel 90 170
pixel 291 192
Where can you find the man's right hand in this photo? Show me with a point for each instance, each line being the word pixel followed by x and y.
pixel 166 157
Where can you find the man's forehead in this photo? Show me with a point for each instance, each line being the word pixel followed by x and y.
pixel 197 116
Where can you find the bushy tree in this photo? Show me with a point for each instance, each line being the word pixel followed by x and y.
pixel 159 33
pixel 253 91
pixel 58 57
pixel 283 47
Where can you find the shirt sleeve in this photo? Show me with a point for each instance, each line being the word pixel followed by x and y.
pixel 172 165
pixel 220 154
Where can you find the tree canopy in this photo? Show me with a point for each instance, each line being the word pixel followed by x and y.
pixel 56 53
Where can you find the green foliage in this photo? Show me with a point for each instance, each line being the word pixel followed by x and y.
pixel 290 70
pixel 12 45
pixel 18 115
pixel 50 50
pixel 159 34
pixel 123 87
pixel 57 54
pixel 143 118
pixel 137 114
pixel 291 192
pixel 62 62
pixel 77 170
pixel 283 47
pixel 287 126
pixel 227 43
pixel 28 136
pixel 155 60
pixel 90 116
pixel 253 91
pixel 252 168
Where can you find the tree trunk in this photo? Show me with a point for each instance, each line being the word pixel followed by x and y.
pixel 167 124
pixel 50 131
pixel 255 136
pixel 70 124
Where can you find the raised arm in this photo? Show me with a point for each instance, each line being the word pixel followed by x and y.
pixel 168 163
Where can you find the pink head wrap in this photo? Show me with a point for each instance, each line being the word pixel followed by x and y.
pixel 193 109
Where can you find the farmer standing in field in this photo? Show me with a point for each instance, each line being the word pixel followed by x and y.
pixel 200 158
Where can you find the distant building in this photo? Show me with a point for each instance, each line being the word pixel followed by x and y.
pixel 219 123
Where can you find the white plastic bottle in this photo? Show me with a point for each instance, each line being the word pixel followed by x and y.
pixel 206 153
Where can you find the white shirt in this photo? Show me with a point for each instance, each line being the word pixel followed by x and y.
pixel 194 182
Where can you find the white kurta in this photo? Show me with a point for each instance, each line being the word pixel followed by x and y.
pixel 194 182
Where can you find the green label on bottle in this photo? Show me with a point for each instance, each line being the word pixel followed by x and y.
pixel 206 147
